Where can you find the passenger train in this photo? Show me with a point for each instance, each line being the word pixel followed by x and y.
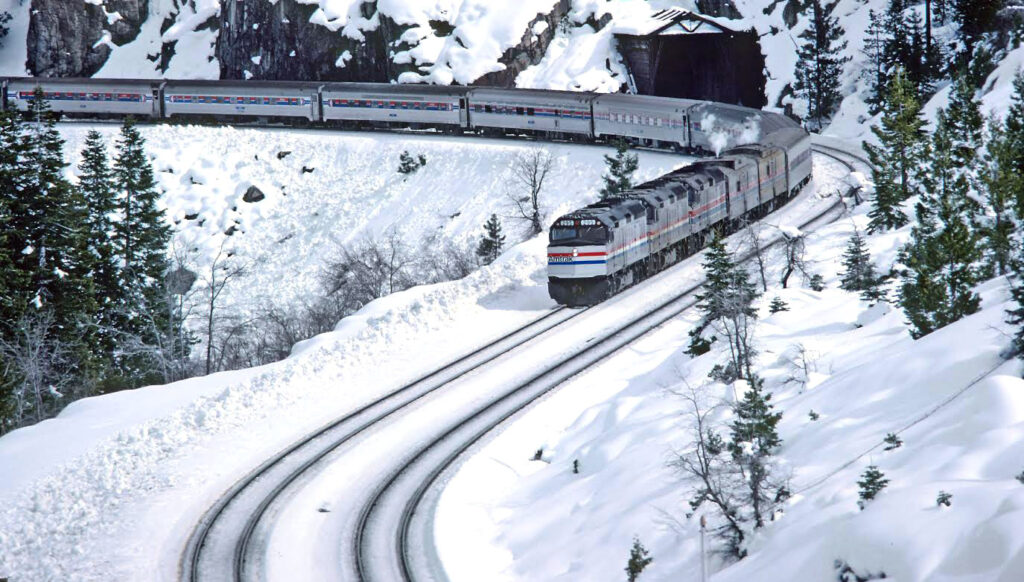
pixel 759 160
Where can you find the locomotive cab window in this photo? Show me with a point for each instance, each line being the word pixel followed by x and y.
pixel 560 233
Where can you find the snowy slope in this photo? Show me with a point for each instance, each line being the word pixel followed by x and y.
pixel 121 477
pixel 353 192
pixel 506 516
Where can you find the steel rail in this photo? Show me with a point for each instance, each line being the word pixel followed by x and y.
pixel 192 556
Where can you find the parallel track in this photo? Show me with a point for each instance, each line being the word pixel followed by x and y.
pixel 311 448
pixel 472 429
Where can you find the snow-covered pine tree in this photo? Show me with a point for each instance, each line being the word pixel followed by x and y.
pixel 141 240
pixel 871 484
pixel 975 18
pixel 859 274
pixel 777 305
pixel 639 559
pixel 1015 314
pixel 754 439
pixel 492 241
pixel 5 17
pixel 620 170
pixel 1014 132
pixel 819 64
pixel 877 73
pixel 98 187
pixel 897 158
pixel 15 293
pixel 49 228
pixel 944 254
pixel 1000 184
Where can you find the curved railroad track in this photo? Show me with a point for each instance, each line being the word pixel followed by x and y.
pixel 204 559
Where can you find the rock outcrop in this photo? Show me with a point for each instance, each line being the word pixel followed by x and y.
pixel 69 38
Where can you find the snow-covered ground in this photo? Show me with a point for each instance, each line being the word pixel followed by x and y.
pixel 506 516
pixel 122 478
pixel 351 190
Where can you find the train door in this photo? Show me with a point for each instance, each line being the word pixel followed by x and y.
pixel 464 112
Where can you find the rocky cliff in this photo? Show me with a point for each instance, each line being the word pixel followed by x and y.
pixel 72 38
pixel 286 39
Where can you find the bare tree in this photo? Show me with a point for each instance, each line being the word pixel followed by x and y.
pixel 530 170
pixel 795 250
pixel 706 464
pixel 371 269
pixel 38 367
pixel 221 272
pixel 752 236
pixel 444 260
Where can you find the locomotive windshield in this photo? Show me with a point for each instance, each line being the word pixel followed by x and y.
pixel 579 231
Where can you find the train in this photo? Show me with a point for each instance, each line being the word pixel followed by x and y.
pixel 753 160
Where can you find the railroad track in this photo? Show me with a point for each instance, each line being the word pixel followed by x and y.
pixel 394 534
pixel 205 558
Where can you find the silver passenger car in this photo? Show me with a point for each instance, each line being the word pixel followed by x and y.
pixel 242 98
pixel 525 109
pixel 397 104
pixel 89 96
pixel 642 117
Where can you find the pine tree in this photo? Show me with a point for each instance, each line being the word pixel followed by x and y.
pixel 1015 315
pixel 877 74
pixel 619 178
pixel 96 182
pixel 15 292
pixel 944 255
pixel 819 65
pixel 5 17
pixel 871 484
pixel 777 305
pixel 897 157
pixel 1000 183
pixel 141 240
pixel 719 272
pixel 638 560
pixel 860 272
pixel 728 299
pixel 408 164
pixel 491 242
pixel 975 18
pixel 1014 132
pixel 49 226
pixel 755 438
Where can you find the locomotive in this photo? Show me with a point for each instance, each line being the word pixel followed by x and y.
pixel 760 158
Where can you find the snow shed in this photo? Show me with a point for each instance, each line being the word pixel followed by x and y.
pixel 676 53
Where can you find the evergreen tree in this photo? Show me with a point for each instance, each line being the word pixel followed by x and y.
pixel 1000 184
pixel 1014 134
pixel 49 227
pixel 1015 315
pixel 638 560
pixel 860 272
pixel 14 287
pixel 97 184
pixel 944 254
pixel 408 164
pixel 728 299
pixel 141 241
pixel 5 17
pixel 755 438
pixel 871 484
pixel 777 305
pixel 492 241
pixel 875 39
pixel 819 65
pixel 896 159
pixel 619 178
pixel 975 18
